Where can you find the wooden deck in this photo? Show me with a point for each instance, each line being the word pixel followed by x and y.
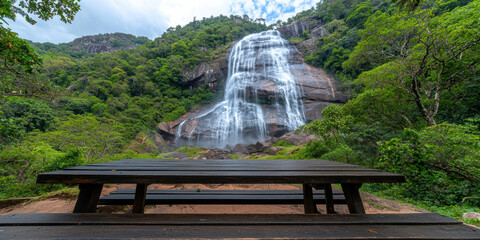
pixel 178 226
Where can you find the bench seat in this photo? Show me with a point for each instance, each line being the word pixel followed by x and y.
pixel 172 197
pixel 231 226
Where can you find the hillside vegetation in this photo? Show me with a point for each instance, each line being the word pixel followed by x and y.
pixel 413 82
pixel 412 77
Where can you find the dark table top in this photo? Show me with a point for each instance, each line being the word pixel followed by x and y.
pixel 219 171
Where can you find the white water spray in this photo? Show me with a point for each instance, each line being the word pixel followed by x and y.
pixel 257 61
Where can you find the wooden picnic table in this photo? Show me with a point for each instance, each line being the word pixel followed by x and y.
pixel 142 172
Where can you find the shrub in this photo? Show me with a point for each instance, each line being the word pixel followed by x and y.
pixel 441 163
pixel 315 149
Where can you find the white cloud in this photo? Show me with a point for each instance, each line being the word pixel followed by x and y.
pixel 151 17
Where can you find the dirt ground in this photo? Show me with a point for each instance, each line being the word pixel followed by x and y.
pixel 372 203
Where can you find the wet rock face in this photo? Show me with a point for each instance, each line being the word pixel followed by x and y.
pixel 319 89
pixel 297 28
pixel 211 74
pixel 259 81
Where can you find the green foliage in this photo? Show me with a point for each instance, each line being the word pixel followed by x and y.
pixel 305 35
pixel 335 121
pixel 17 59
pixel 359 14
pixel 363 140
pixel 9 132
pixel 98 136
pixel 99 109
pixel 336 58
pixel 21 163
pixel 282 143
pixel 143 143
pixel 288 152
pixel 385 106
pixel 44 9
pixel 190 150
pixel 409 5
pixel 341 153
pixel 314 149
pixel 72 158
pixel 422 64
pixel 440 162
pixel 342 20
pixel 29 114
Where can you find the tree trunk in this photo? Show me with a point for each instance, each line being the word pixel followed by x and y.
pixel 426 115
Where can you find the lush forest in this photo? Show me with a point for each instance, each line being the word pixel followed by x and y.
pixel 411 75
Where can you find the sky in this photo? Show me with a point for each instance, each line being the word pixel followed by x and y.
pixel 150 18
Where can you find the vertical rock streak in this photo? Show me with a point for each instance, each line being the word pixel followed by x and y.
pixel 255 61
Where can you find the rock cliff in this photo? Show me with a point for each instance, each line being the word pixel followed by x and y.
pixel 313 27
pixel 211 74
pixel 106 42
pixel 318 89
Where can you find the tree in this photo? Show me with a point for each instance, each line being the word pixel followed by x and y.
pixel 17 59
pixel 29 114
pixel 97 136
pixel 359 14
pixel 420 54
pixel 440 162
pixel 409 5
pixel 335 122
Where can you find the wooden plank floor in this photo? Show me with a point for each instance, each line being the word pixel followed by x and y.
pixel 178 226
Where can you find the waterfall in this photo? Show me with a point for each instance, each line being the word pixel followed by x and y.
pixel 260 91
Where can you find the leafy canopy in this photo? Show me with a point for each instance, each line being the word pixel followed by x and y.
pixel 17 59
pixel 420 54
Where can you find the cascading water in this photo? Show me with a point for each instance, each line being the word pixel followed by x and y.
pixel 258 64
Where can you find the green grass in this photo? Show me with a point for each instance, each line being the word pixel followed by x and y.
pixel 190 150
pixel 282 143
pixel 66 193
pixel 283 154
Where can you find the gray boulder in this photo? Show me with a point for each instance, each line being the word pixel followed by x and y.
pixel 299 138
pixel 273 150
pixel 471 215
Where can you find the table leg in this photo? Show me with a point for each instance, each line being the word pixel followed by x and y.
pixel 327 188
pixel 308 203
pixel 140 195
pixel 329 198
pixel 88 198
pixel 352 196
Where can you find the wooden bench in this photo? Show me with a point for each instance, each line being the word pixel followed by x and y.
pixel 261 197
pixel 214 226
